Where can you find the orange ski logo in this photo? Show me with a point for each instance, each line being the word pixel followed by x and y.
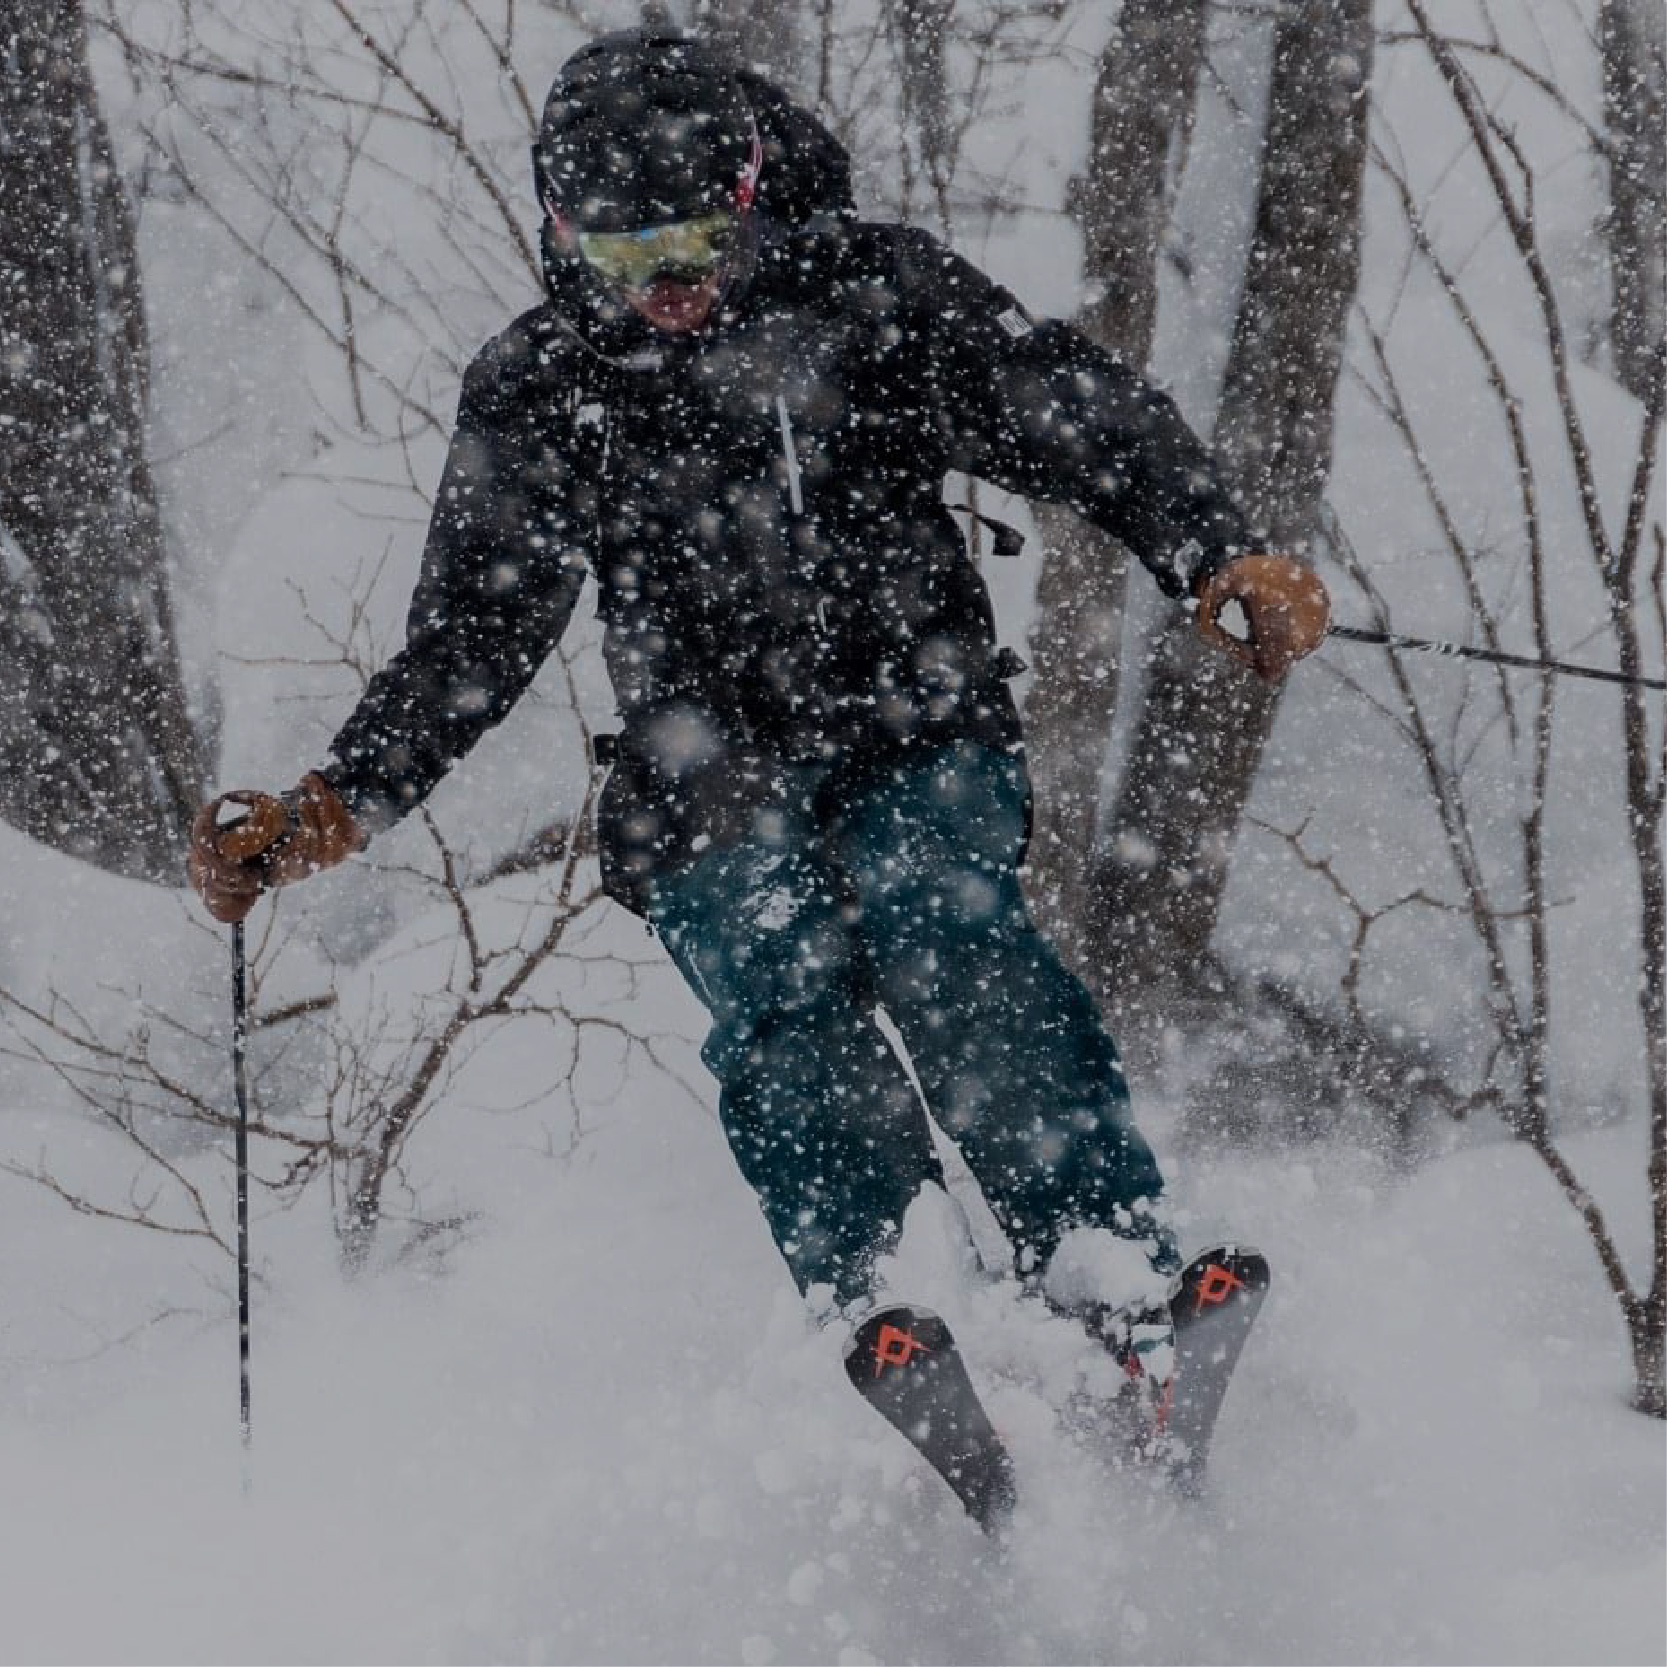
pixel 1217 1285
pixel 895 1347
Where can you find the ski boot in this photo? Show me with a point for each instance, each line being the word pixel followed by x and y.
pixel 1178 1359
pixel 1141 1339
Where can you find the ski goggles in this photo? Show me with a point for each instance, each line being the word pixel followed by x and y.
pixel 686 251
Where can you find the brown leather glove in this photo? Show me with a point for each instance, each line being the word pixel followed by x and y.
pixel 244 843
pixel 1266 610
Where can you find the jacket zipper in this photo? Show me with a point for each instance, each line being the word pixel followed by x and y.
pixel 795 487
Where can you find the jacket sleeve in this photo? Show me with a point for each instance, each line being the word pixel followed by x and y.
pixel 1034 407
pixel 501 572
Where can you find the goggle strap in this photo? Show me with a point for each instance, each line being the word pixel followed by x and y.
pixel 746 188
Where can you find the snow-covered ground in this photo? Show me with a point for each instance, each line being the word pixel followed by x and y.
pixel 602 1429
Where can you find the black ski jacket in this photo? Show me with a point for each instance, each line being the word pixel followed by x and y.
pixel 761 505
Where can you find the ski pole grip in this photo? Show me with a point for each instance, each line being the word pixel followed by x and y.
pixel 248 824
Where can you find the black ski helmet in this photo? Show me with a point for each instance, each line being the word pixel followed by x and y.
pixel 645 127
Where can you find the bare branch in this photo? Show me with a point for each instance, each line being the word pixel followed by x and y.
pixel 452 128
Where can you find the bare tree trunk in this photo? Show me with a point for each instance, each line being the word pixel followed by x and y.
pixel 1633 39
pixel 1646 800
pixel 97 752
pixel 1144 96
pixel 1620 565
pixel 1159 877
pixel 921 30
pixel 765 33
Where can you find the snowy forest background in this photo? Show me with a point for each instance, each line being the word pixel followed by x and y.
pixel 1387 951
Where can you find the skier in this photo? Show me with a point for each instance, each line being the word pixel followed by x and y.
pixel 736 408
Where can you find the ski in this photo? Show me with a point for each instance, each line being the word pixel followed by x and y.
pixel 1214 1304
pixel 1163 1419
pixel 903 1361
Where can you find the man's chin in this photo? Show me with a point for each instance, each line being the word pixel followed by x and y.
pixel 674 307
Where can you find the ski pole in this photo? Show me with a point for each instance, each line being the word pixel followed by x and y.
pixel 238 838
pixel 1460 651
pixel 240 1049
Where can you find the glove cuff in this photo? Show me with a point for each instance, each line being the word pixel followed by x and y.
pixel 322 832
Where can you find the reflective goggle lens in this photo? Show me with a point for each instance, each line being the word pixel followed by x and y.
pixel 686 249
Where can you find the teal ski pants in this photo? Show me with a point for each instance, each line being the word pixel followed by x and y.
pixel 899 889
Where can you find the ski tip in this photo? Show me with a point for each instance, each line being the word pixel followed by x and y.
pixel 903 1361
pixel 1245 1263
pixel 897 1335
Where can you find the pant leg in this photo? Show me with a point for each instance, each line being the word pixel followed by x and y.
pixel 1016 1062
pixel 819 1113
